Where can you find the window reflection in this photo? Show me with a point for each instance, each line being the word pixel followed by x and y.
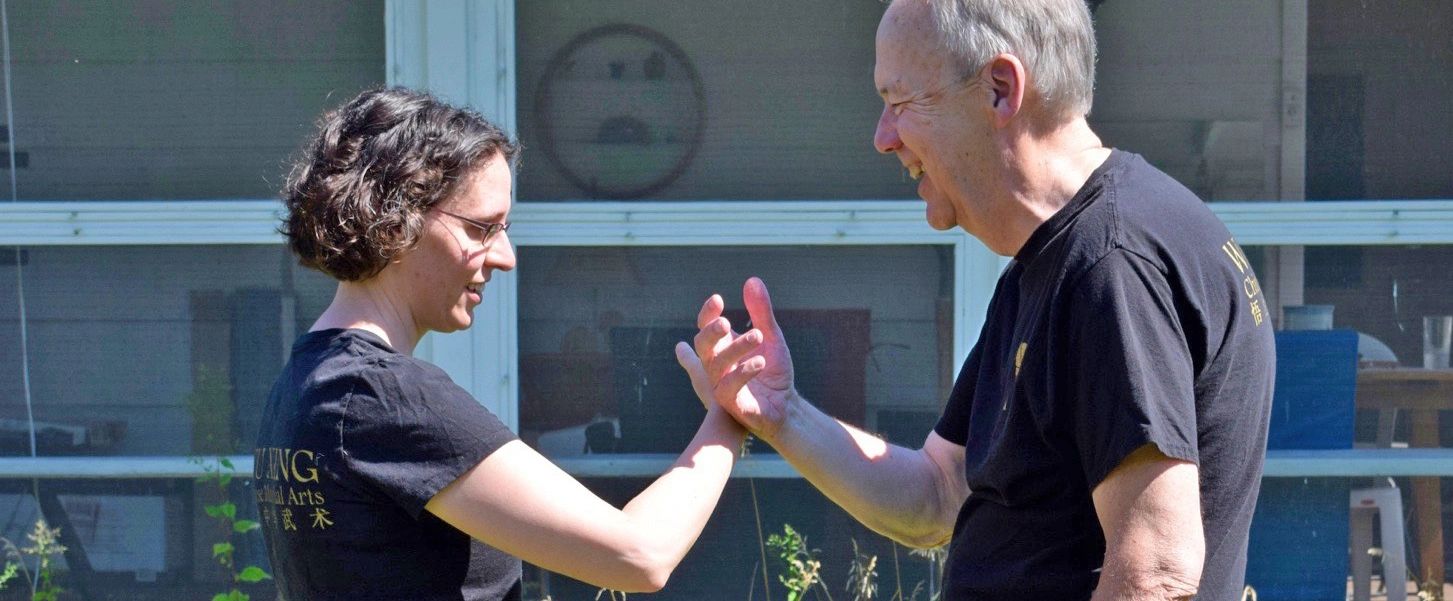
pixel 168 99
pixel 869 330
pixel 149 350
pixel 1252 103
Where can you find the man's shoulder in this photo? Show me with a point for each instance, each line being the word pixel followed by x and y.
pixel 1146 198
pixel 1153 216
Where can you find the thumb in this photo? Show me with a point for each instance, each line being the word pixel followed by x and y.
pixel 694 370
pixel 759 308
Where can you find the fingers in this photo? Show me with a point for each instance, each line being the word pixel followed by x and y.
pixel 713 337
pixel 694 370
pixel 714 330
pixel 731 383
pixel 728 355
pixel 759 308
pixel 710 310
pixel 725 392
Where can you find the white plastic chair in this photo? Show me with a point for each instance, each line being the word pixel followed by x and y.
pixel 1387 503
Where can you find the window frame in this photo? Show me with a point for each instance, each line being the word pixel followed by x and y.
pixel 447 46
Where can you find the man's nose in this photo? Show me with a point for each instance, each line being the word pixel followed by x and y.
pixel 885 139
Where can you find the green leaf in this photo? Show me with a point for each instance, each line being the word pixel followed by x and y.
pixel 213 510
pixel 245 526
pixel 227 463
pixel 237 595
pixel 221 597
pixel 224 480
pixel 229 510
pixel 252 574
pixel 221 548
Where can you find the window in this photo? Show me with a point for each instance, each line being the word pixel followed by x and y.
pixel 717 101
pixel 598 324
pixel 177 100
pixel 211 326
pixel 766 168
pixel 133 129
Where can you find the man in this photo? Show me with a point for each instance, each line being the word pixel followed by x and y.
pixel 1104 439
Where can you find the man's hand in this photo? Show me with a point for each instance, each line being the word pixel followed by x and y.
pixel 909 495
pixel 759 358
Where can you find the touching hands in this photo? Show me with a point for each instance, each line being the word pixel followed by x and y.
pixel 750 374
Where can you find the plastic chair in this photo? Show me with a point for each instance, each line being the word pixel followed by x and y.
pixel 1387 503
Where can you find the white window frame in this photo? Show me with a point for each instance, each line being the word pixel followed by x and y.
pixel 464 51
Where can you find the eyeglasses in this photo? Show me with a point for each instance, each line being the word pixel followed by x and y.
pixel 489 229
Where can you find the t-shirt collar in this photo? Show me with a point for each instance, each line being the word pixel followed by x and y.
pixel 1083 198
pixel 331 335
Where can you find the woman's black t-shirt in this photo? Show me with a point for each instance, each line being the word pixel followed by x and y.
pixel 355 440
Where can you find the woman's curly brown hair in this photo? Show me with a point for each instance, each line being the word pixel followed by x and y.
pixel 378 164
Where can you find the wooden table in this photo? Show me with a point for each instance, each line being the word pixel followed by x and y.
pixel 1422 393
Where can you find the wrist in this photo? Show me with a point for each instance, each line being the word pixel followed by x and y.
pixel 726 423
pixel 795 410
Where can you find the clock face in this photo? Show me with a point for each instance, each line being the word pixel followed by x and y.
pixel 621 111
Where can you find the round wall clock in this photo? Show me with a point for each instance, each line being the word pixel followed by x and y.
pixel 621 111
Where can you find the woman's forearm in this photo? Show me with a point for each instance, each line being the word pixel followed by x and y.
pixel 669 515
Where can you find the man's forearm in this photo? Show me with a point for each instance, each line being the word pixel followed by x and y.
pixel 901 493
pixel 1146 583
pixel 1149 508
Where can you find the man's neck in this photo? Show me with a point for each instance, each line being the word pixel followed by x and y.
pixel 1047 169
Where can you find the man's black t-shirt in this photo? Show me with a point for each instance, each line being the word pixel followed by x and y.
pixel 1130 317
pixel 355 440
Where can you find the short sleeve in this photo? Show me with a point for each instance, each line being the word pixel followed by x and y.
pixel 1128 366
pixel 953 425
pixel 408 431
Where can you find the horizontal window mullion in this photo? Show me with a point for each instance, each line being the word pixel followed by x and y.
pixel 1279 464
pixel 119 467
pixel 681 223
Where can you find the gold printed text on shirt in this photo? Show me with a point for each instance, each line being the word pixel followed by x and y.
pixel 1249 284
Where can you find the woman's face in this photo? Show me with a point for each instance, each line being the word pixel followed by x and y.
pixel 446 273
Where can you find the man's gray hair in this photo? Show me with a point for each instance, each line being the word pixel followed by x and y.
pixel 1054 38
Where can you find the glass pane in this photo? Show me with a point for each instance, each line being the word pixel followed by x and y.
pixel 149 350
pixel 1381 291
pixel 1374 131
pixel 132 538
pixel 1201 103
pixel 726 562
pixel 169 99
pixel 869 328
pixel 1231 106
pixel 1352 372
pixel 1304 528
pixel 708 102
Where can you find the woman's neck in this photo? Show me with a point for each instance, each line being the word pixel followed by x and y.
pixel 361 306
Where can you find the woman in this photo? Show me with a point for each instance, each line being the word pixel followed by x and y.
pixel 377 476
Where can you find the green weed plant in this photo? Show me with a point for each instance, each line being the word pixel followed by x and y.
pixel 220 474
pixel 45 547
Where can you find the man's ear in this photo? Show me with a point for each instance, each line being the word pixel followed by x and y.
pixel 1007 83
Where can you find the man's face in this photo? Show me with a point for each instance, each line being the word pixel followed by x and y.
pixel 929 118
